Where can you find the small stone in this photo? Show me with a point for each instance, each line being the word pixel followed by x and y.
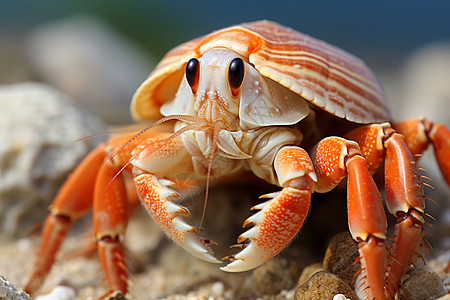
pixel 308 272
pixel 340 257
pixel 60 292
pixel 340 297
pixel 275 275
pixel 423 285
pixel 117 295
pixel 324 285
pixel 10 292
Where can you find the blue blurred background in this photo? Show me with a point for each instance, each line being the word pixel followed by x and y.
pixel 98 52
pixel 381 32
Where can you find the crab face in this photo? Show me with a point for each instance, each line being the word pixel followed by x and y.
pixel 222 86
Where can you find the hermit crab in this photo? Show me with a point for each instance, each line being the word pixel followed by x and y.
pixel 296 112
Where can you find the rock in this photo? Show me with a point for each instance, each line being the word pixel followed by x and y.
pixel 308 272
pixel 423 285
pixel 340 257
pixel 322 286
pixel 10 292
pixel 116 295
pixel 59 293
pixel 87 59
pixel 275 275
pixel 38 130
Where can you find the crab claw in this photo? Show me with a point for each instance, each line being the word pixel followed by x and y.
pixel 158 197
pixel 276 224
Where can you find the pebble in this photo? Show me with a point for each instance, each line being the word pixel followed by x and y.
pixel 324 285
pixel 423 285
pixel 275 275
pixel 340 257
pixel 59 292
pixel 308 272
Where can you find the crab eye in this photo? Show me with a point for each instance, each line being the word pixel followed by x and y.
pixel 192 74
pixel 236 74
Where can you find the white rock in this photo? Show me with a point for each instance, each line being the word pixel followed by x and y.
pixel 10 292
pixel 340 297
pixel 38 129
pixel 59 293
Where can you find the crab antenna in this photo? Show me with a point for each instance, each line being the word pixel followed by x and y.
pixel 217 128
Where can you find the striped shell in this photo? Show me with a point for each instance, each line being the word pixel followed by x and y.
pixel 325 75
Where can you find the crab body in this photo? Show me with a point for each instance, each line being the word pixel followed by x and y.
pixel 298 113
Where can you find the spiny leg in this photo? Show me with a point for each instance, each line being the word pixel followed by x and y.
pixel 75 198
pixel 110 213
pixel 72 201
pixel 419 133
pixel 334 158
pixel 280 218
pixel 406 201
pixel 404 198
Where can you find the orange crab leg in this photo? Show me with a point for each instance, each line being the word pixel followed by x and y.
pixel 406 201
pixel 419 133
pixel 110 210
pixel 334 158
pixel 281 217
pixel 73 201
pixel 404 195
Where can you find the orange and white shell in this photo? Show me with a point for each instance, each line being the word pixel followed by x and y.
pixel 324 75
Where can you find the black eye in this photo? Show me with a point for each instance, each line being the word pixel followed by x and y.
pixel 192 73
pixel 236 73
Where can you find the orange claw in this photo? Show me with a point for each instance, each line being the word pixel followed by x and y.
pixel 281 217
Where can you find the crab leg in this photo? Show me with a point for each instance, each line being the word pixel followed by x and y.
pixel 406 201
pixel 110 210
pixel 334 158
pixel 281 217
pixel 419 133
pixel 404 196
pixel 73 201
pixel 76 198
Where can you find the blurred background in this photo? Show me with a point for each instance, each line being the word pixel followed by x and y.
pixel 383 33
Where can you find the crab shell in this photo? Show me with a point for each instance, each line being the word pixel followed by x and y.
pixel 324 75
